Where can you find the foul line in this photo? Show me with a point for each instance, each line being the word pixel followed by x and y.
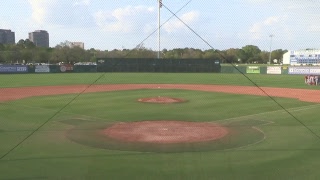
pixel 294 109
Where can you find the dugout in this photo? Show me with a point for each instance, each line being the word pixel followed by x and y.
pixel 157 65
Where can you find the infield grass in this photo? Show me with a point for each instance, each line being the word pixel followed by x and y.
pixel 288 149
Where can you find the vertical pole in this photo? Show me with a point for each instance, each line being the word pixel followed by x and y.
pixel 159 6
pixel 270 47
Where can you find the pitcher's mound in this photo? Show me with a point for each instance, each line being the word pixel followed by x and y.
pixel 161 100
pixel 165 132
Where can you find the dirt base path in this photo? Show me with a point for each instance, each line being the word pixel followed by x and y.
pixel 9 94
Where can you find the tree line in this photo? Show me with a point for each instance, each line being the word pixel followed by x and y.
pixel 25 51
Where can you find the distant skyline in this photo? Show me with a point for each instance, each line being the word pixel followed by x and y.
pixel 118 24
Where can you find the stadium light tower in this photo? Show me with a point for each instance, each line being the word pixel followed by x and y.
pixel 271 36
pixel 159 7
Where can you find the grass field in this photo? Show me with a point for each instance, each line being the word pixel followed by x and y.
pixel 286 81
pixel 281 148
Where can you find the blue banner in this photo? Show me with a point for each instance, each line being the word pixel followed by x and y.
pixel 304 70
pixel 13 69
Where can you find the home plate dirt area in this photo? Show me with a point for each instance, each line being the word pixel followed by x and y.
pixel 165 132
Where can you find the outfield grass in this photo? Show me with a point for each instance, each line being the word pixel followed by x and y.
pixel 286 81
pixel 289 150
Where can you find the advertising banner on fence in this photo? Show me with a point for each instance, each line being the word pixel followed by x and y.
pixel 274 70
pixel 253 69
pixel 66 68
pixel 304 70
pixel 42 69
pixel 13 69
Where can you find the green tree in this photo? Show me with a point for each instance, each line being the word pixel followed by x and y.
pixel 20 44
pixel 264 56
pixel 26 55
pixel 7 56
pixel 191 53
pixel 211 54
pixel 234 55
pixel 42 55
pixel 164 53
pixel 115 53
pixel 2 47
pixel 140 51
pixel 63 52
pixel 25 44
pixel 175 53
pixel 278 54
pixel 169 54
pixel 242 55
pixel 252 53
pixel 2 59
pixel 29 44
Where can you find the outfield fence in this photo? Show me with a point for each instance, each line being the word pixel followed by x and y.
pixel 161 65
pixel 158 65
pixel 256 69
pixel 14 69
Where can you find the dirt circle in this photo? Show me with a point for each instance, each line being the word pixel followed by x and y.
pixel 161 100
pixel 165 132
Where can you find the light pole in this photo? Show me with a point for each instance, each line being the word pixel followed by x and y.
pixel 159 6
pixel 271 36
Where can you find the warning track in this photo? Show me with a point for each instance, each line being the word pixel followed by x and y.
pixel 9 94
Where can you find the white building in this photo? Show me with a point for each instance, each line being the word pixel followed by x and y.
pixel 302 57
pixel 77 44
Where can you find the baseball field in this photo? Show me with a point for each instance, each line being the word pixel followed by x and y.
pixel 130 126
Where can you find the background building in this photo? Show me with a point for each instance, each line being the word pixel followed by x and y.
pixel 7 37
pixel 40 38
pixel 302 57
pixel 77 44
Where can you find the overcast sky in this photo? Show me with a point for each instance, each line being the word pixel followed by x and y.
pixel 118 24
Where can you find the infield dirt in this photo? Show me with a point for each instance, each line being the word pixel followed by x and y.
pixel 165 132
